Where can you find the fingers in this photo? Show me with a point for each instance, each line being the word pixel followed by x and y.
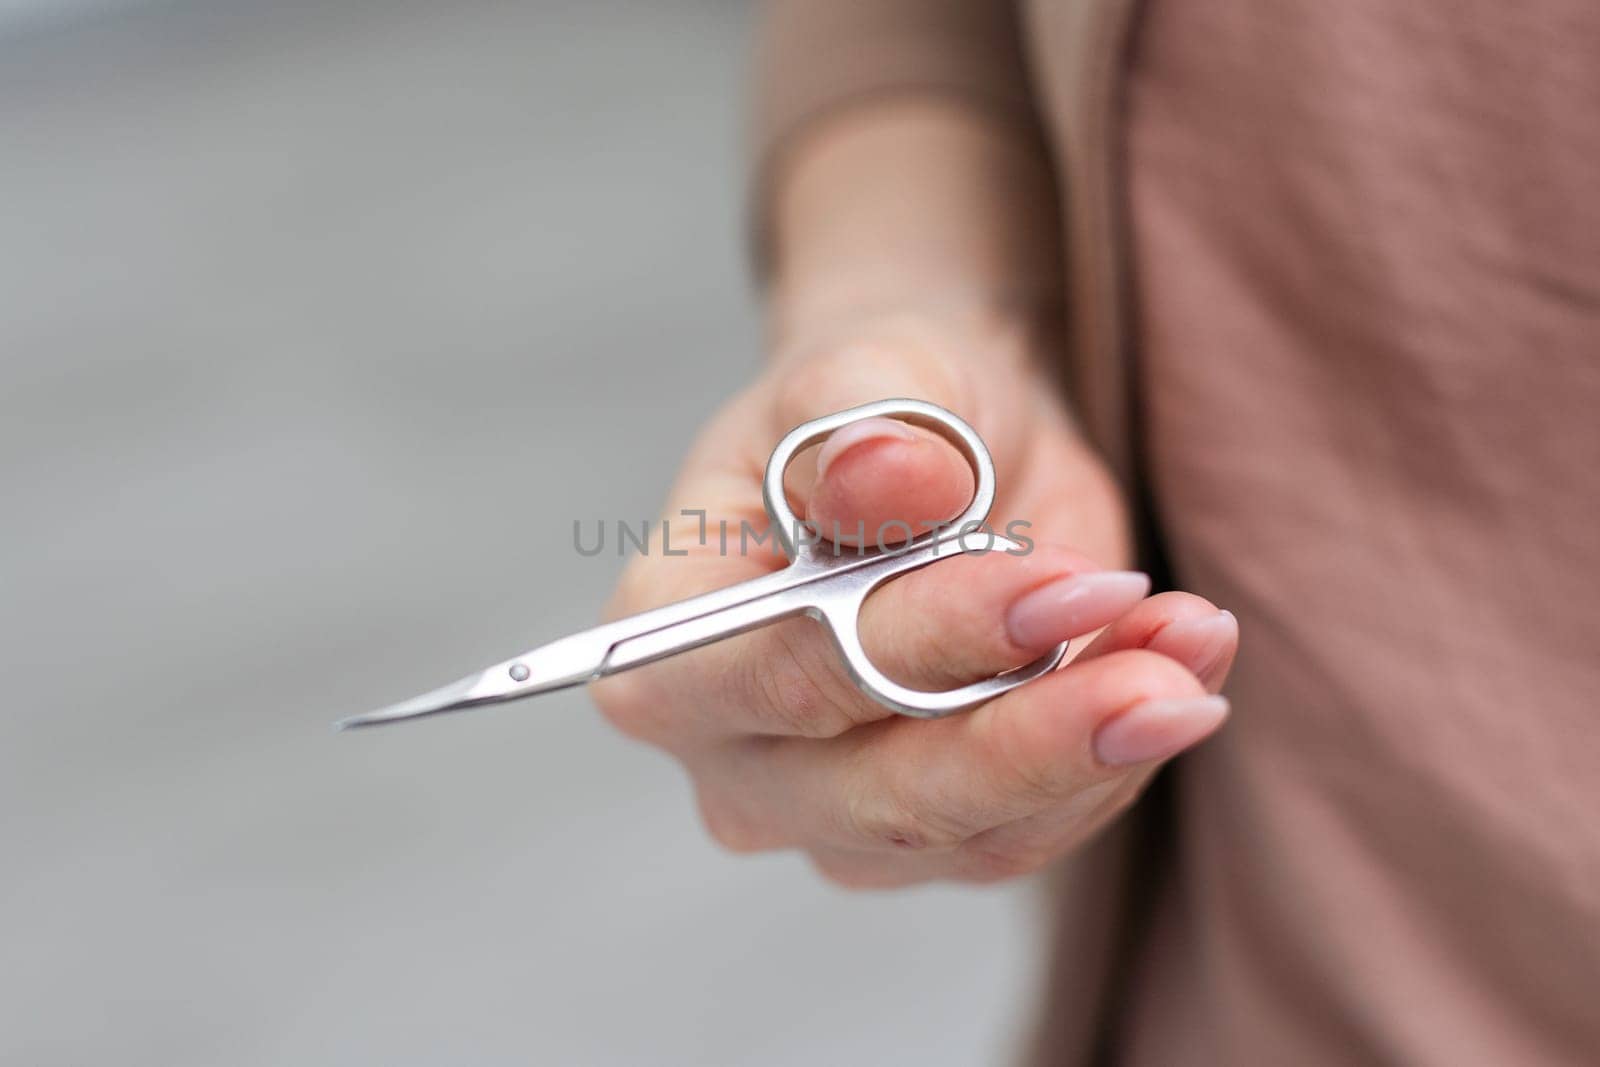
pixel 877 480
pixel 1067 741
pixel 1007 795
pixel 965 618
pixel 971 617
pixel 1188 630
pixel 1185 627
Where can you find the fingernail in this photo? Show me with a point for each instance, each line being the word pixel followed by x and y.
pixel 1200 644
pixel 1073 605
pixel 1157 729
pixel 847 437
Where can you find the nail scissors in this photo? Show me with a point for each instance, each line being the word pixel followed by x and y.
pixel 827 584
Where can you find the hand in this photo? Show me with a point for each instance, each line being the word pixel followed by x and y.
pixel 784 751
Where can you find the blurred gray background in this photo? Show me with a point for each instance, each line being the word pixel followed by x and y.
pixel 319 324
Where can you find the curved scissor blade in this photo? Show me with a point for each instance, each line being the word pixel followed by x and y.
pixel 452 697
pixel 614 646
pixel 570 661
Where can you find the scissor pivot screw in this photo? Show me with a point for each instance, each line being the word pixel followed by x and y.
pixel 519 672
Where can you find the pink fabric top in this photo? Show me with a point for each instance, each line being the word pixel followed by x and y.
pixel 1367 248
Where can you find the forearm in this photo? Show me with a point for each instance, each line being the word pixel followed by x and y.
pixel 919 205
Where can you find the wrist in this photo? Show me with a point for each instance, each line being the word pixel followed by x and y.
pixel 913 206
pixel 1003 338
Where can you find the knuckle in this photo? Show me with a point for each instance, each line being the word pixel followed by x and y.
pixel 793 702
pixel 887 822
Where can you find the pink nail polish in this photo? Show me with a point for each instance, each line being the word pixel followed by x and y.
pixel 1199 644
pixel 1157 730
pixel 1074 605
pixel 847 437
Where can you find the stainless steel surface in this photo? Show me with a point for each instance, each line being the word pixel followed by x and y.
pixel 917 412
pixel 821 580
pixel 310 310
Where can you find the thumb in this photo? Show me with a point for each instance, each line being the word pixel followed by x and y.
pixel 882 482
pixel 879 480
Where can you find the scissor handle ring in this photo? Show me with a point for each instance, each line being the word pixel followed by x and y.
pixel 842 615
pixel 786 524
pixel 840 608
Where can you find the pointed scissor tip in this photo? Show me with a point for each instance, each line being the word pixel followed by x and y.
pixel 466 693
pixel 356 722
pixel 570 661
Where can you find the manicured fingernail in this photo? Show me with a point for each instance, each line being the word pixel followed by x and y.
pixel 847 437
pixel 1200 644
pixel 1073 605
pixel 1157 729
